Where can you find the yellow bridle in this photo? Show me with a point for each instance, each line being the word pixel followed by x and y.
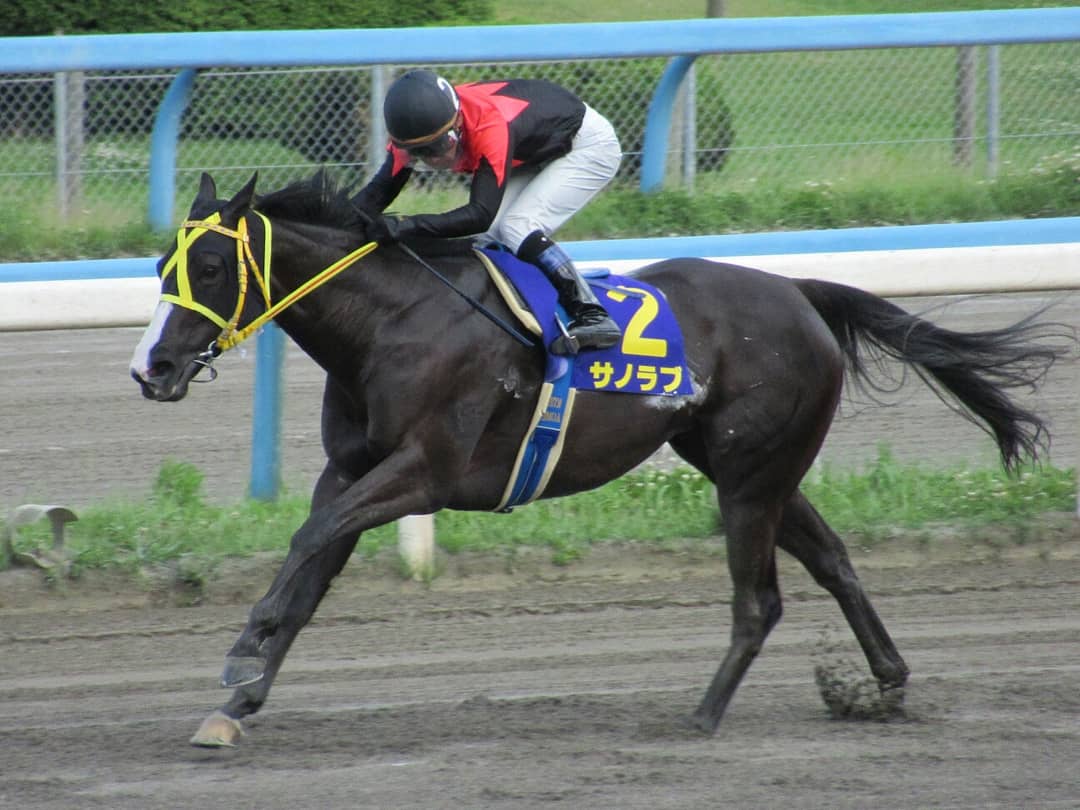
pixel 246 264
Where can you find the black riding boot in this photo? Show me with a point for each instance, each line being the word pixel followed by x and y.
pixel 590 325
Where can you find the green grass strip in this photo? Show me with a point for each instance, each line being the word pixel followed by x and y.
pixel 175 525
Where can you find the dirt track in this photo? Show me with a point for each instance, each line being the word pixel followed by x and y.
pixel 548 686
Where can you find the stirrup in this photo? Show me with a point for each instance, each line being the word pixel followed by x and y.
pixel 565 344
pixel 578 337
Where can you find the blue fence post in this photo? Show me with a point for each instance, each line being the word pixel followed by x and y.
pixel 658 123
pixel 266 415
pixel 163 142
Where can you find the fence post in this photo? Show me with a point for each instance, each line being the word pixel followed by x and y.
pixel 416 545
pixel 376 126
pixel 658 123
pixel 993 108
pixel 163 142
pixel 266 414
pixel 689 162
pixel 69 94
pixel 964 116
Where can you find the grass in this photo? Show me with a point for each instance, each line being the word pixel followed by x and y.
pixel 558 11
pixel 109 221
pixel 889 493
pixel 916 197
pixel 905 194
pixel 175 526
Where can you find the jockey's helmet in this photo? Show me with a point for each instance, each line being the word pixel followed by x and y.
pixel 420 109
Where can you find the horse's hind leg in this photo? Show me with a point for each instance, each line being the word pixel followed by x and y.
pixel 750 529
pixel 808 538
pixel 756 449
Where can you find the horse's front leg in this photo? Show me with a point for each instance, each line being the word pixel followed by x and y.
pixel 317 553
pixel 222 727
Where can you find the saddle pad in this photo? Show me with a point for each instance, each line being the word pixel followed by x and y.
pixel 648 360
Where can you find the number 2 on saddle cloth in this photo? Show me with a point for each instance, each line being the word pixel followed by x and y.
pixel 649 360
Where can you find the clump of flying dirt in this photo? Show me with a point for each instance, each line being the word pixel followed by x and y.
pixel 850 694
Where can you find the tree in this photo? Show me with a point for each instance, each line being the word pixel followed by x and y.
pixel 45 17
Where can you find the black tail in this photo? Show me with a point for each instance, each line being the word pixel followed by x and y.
pixel 976 368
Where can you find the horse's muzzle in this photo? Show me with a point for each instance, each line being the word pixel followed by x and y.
pixel 163 383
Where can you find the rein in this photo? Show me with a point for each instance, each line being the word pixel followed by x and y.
pixel 246 264
pixel 487 313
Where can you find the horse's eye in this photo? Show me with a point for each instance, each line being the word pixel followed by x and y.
pixel 211 266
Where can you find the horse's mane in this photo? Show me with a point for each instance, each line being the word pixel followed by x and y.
pixel 316 200
pixel 322 200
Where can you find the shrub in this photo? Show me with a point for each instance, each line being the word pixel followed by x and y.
pixel 44 17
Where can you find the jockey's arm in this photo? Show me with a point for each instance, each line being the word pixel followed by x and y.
pixel 383 188
pixel 474 217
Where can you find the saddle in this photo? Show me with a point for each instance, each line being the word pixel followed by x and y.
pixel 649 360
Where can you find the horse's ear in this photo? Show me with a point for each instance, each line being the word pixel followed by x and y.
pixel 230 213
pixel 207 195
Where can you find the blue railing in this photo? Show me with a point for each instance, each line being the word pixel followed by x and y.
pixel 682 39
pixel 1057 230
pixel 540 42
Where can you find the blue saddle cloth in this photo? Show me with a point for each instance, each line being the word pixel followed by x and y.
pixel 648 360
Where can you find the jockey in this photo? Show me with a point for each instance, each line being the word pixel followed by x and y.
pixel 537 154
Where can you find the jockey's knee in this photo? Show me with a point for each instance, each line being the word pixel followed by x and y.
pixel 516 227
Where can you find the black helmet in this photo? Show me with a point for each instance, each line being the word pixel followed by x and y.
pixel 420 106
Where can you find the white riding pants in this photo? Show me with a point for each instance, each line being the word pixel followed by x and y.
pixel 543 199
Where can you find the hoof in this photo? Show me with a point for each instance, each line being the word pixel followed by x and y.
pixel 702 723
pixel 242 671
pixel 892 700
pixel 218 731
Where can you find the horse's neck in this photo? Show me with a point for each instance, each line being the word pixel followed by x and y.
pixel 339 317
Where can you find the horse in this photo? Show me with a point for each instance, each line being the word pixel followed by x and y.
pixel 425 403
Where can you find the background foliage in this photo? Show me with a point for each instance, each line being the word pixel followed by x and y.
pixel 43 17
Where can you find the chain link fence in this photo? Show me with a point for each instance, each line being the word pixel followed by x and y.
pixel 78 144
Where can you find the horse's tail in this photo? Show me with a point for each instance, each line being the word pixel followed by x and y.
pixel 971 372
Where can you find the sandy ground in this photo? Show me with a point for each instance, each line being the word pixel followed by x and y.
pixel 524 685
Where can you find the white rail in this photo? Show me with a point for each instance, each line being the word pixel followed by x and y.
pixel 78 304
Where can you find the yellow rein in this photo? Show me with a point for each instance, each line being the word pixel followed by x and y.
pixel 246 263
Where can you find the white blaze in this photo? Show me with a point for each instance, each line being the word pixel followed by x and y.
pixel 140 360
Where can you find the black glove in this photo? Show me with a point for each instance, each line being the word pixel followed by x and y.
pixel 387 229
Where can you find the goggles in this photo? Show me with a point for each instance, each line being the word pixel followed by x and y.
pixel 441 145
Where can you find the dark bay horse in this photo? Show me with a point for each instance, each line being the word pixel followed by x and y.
pixel 426 403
